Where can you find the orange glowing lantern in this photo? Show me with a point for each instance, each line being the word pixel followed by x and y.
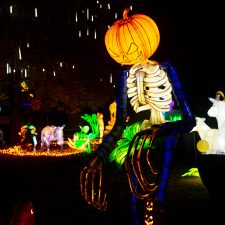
pixel 132 39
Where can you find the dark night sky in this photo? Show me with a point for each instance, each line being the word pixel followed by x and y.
pixel 192 37
pixel 198 44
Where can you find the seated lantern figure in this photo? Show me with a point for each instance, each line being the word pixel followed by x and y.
pixel 212 139
pixel 218 110
pixel 82 140
pixel 207 144
pixel 156 127
pixel 151 86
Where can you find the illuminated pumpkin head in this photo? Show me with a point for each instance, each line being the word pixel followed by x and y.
pixel 132 39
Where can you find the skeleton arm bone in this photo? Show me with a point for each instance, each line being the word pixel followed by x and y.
pixel 92 176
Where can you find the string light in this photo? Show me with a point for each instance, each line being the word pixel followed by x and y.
pixel 19 51
pixel 7 68
pixel 10 9
pixel 93 14
pixel 25 73
pixel 18 151
pixel 76 17
pixel 35 12
pixel 87 14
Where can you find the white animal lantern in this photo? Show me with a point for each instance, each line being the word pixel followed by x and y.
pixel 207 134
pixel 214 137
pixel 218 111
pixel 52 133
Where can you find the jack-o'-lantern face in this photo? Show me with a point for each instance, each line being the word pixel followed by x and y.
pixel 132 39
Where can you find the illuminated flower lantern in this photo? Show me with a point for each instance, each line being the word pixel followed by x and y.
pixel 132 39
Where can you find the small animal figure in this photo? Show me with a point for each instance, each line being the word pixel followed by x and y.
pixel 206 133
pixel 50 134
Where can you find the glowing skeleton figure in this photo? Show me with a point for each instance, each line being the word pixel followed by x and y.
pixel 149 86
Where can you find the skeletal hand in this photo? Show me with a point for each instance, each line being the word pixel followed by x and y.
pixel 139 163
pixel 91 184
